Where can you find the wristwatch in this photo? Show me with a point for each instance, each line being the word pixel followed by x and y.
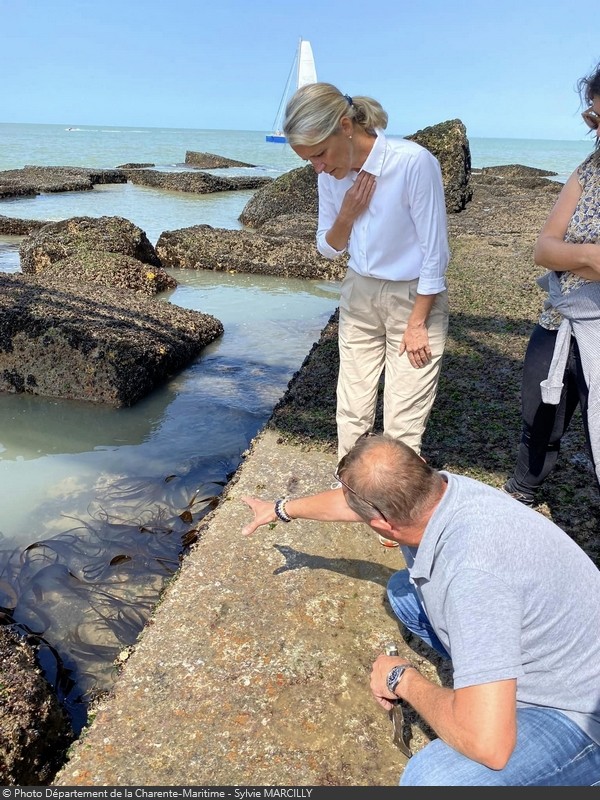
pixel 395 675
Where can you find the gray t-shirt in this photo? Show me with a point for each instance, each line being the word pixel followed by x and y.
pixel 510 595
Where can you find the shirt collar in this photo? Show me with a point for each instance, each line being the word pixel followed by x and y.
pixel 374 161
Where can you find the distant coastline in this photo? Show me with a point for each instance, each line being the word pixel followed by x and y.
pixel 108 145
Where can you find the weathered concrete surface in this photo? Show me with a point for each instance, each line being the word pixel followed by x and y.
pixel 255 668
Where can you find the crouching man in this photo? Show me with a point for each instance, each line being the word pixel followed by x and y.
pixel 501 591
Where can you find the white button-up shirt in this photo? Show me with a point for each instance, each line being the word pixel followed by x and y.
pixel 402 235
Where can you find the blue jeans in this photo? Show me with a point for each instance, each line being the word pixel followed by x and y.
pixel 407 607
pixel 551 750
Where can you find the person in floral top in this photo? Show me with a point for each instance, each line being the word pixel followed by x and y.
pixel 568 245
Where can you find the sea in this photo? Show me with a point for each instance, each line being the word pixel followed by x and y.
pixel 97 505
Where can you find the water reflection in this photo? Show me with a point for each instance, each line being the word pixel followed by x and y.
pixel 85 593
pixel 98 503
pixel 9 253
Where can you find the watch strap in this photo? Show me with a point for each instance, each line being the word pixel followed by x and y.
pixel 280 511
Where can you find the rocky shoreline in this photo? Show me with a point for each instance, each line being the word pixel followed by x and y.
pixel 80 254
pixel 474 427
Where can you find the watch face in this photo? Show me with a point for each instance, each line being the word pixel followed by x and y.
pixel 393 677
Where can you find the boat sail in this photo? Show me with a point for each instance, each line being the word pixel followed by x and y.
pixel 303 71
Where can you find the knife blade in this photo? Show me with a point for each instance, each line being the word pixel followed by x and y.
pixel 402 733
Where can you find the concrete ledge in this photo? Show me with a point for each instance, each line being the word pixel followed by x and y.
pixel 255 668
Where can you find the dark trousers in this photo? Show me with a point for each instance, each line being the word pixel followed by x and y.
pixel 543 424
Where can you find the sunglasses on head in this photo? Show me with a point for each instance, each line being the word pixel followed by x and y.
pixel 591 118
pixel 340 467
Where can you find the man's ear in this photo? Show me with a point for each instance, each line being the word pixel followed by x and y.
pixel 381 526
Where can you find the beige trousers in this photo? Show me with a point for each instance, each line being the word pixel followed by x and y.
pixel 373 317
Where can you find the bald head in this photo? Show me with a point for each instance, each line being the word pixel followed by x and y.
pixel 389 477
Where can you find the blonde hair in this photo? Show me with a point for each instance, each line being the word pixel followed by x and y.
pixel 315 111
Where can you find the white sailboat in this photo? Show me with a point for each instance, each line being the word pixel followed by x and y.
pixel 303 71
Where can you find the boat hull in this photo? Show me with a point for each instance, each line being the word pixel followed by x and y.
pixel 273 137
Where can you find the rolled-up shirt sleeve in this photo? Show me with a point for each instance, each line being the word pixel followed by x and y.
pixel 327 216
pixel 428 212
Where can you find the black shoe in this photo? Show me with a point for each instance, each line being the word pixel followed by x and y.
pixel 526 499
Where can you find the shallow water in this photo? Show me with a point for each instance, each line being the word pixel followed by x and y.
pixel 97 503
pixel 154 211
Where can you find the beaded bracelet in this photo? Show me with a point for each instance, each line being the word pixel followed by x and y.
pixel 280 510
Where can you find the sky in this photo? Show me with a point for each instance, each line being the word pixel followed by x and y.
pixel 505 68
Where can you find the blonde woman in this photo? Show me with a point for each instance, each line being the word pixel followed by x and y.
pixel 382 201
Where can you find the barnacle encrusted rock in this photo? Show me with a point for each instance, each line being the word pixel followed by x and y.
pixel 111 269
pixel 449 144
pixel 204 247
pixel 196 182
pixel 14 226
pixel 31 180
pixel 34 730
pixel 76 235
pixel 294 192
pixel 93 343
pixel 212 161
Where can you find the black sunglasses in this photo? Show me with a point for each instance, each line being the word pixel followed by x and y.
pixel 336 475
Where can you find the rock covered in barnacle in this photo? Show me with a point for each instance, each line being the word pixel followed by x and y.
pixel 294 192
pixel 70 237
pixel 448 142
pixel 93 343
pixel 204 247
pixel 212 161
pixel 34 729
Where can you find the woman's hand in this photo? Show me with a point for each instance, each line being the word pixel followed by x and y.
pixel 357 198
pixel 264 513
pixel 415 344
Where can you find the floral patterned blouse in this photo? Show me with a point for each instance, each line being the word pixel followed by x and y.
pixel 583 227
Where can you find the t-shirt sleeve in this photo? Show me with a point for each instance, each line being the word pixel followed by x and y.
pixel 484 621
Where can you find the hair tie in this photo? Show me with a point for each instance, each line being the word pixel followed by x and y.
pixel 349 99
